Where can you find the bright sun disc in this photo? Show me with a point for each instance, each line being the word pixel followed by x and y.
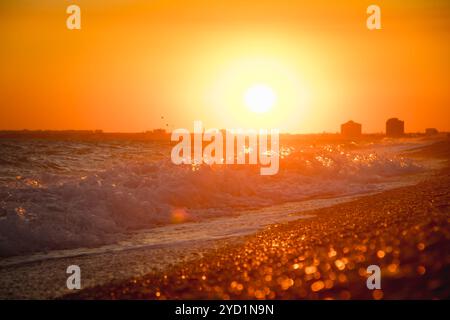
pixel 260 98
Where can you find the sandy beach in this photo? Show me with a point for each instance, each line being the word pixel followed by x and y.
pixel 405 231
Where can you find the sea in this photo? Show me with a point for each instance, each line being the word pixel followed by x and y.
pixel 63 198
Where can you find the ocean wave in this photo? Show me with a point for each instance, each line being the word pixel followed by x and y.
pixel 73 204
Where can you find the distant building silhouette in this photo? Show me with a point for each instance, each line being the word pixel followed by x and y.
pixel 351 129
pixel 157 134
pixel 431 131
pixel 395 127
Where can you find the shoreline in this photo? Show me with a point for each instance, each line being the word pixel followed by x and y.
pixel 405 231
pixel 46 278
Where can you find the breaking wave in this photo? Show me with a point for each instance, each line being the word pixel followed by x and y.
pixel 57 195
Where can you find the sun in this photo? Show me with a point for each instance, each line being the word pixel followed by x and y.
pixel 260 98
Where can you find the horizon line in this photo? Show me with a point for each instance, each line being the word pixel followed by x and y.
pixel 164 131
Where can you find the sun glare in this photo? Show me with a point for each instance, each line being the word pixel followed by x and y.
pixel 260 98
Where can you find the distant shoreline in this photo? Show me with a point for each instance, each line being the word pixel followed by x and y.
pixel 162 135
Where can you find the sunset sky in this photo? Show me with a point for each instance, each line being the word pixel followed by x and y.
pixel 136 61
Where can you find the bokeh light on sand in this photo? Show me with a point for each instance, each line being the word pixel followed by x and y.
pixel 179 215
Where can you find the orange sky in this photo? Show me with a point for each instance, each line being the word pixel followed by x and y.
pixel 135 61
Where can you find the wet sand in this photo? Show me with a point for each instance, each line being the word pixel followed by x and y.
pixel 404 231
pixel 46 279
